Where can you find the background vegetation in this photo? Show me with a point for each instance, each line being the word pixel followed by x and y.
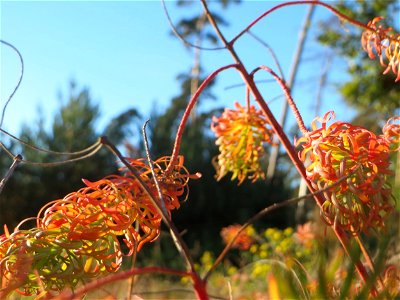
pixel 213 205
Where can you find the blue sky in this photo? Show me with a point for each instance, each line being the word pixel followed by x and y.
pixel 124 53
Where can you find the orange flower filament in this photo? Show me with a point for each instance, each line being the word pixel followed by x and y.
pixel 241 134
pixel 383 44
pixel 363 200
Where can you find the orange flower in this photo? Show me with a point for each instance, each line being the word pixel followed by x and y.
pixel 241 134
pixel 242 242
pixel 363 200
pixel 386 46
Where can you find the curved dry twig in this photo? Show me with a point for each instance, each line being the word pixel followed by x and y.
pixel 180 37
pixel 10 171
pixel 271 51
pixel 94 149
pixel 151 165
pixel 18 83
pixel 180 244
pixel 26 144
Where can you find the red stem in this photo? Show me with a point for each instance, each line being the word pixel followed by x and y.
pixel 289 98
pixel 186 114
pixel 342 237
pixel 200 288
pixel 198 284
pixel 335 11
pixel 115 277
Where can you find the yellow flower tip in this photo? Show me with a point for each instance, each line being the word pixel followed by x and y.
pixel 241 134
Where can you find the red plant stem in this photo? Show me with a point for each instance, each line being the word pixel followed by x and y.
pixel 341 235
pixel 248 99
pixel 333 10
pixel 289 98
pixel 77 294
pixel 186 114
pixel 200 288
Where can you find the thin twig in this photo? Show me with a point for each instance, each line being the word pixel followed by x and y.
pixel 153 172
pixel 10 171
pixel 181 245
pixel 18 83
pixel 271 51
pixel 180 37
pixel 242 84
pixel 28 145
pixel 53 164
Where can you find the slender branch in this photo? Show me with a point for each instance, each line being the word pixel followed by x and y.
pixel 182 247
pixel 289 98
pixel 153 172
pixel 271 52
pixel 180 37
pixel 18 83
pixel 333 10
pixel 186 114
pixel 242 84
pixel 26 144
pixel 52 164
pixel 10 171
pixel 267 210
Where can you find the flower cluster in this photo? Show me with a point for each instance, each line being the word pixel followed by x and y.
pixel 241 134
pixel 364 199
pixel 243 241
pixel 380 42
pixel 76 238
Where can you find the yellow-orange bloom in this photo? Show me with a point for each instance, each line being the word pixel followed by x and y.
pixel 241 134
pixel 363 201
pixel 383 44
pixel 243 241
